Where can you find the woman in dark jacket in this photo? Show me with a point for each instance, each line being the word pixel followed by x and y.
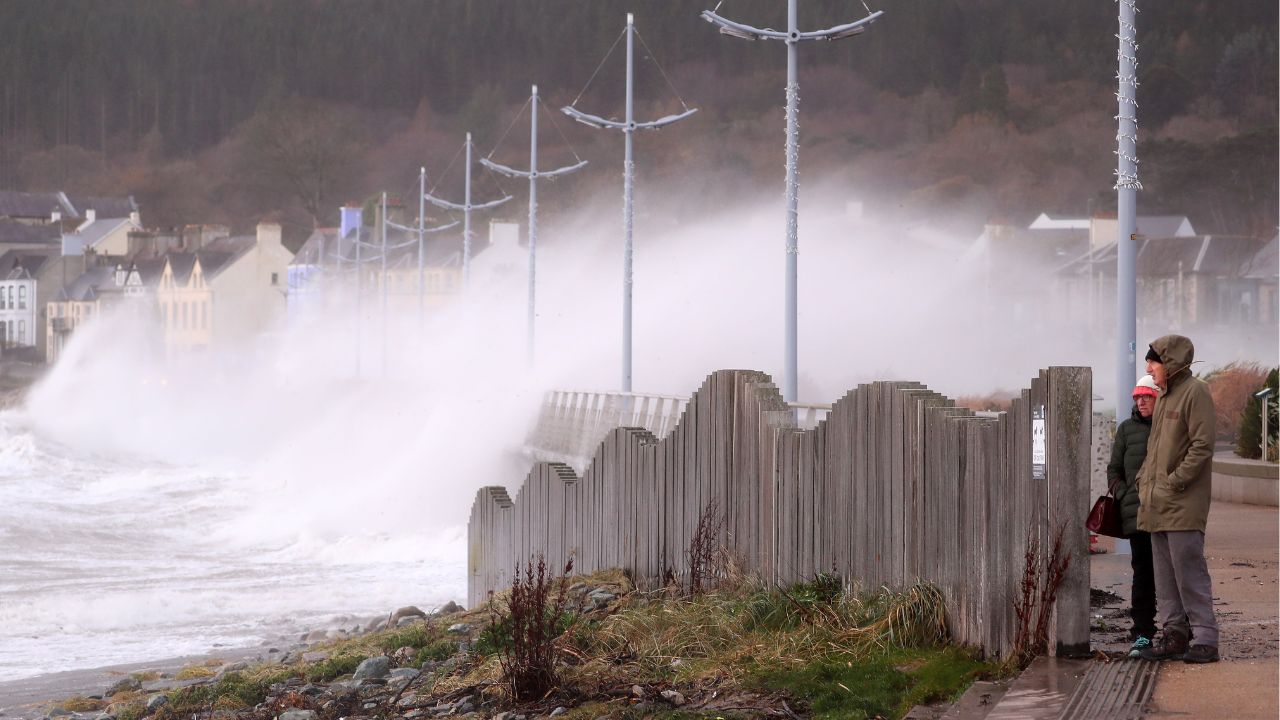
pixel 1127 454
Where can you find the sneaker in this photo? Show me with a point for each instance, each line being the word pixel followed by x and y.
pixel 1201 654
pixel 1172 646
pixel 1142 642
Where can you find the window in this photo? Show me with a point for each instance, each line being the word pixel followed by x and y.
pixel 22 297
pixel 22 332
pixel 275 278
pixel 184 316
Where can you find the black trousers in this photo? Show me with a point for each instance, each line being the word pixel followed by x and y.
pixel 1143 595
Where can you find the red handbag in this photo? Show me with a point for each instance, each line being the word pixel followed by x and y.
pixel 1104 518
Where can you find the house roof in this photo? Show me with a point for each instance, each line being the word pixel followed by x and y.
pixel 222 253
pixel 102 206
pixel 1156 226
pixel 14 233
pixel 1266 263
pixel 89 285
pixel 34 205
pixel 1217 255
pixel 181 264
pixel 439 250
pixel 92 233
pixel 19 264
pixel 321 239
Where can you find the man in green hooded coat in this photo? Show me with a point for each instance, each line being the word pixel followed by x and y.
pixel 1174 492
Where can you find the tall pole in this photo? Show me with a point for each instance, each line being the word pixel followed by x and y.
pixel 790 388
pixel 1126 187
pixel 384 283
pixel 530 321
pixel 792 38
pixel 466 220
pixel 532 174
pixel 628 128
pixel 628 190
pixel 422 246
pixel 359 292
pixel 466 207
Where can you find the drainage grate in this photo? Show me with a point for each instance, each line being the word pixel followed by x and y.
pixel 1117 690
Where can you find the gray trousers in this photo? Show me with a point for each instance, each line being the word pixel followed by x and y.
pixel 1184 591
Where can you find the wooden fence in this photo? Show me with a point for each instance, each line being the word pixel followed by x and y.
pixel 895 485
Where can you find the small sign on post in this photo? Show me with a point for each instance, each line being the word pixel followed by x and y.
pixel 1037 444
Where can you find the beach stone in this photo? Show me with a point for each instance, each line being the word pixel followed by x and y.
pixel 449 608
pixel 105 716
pixel 297 715
pixel 637 691
pixel 673 697
pixel 558 711
pixel 235 667
pixel 156 702
pixel 459 628
pixel 409 611
pixel 59 712
pixel 123 685
pixel 410 673
pixel 315 636
pixel 374 667
pixel 315 656
pixel 601 597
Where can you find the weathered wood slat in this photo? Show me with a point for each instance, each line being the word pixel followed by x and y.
pixel 895 485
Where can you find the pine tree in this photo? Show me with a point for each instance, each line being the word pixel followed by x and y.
pixel 1249 441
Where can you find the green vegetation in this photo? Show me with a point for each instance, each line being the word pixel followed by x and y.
pixel 882 684
pixel 334 667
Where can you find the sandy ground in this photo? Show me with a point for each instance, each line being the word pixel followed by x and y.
pixel 1243 548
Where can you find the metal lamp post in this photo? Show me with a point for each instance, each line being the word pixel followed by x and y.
pixel 532 174
pixel 792 37
pixel 628 128
pixel 466 207
pixel 1127 187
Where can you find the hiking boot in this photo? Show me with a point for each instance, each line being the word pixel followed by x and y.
pixel 1142 642
pixel 1172 646
pixel 1201 654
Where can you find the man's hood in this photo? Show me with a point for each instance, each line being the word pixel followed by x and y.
pixel 1177 353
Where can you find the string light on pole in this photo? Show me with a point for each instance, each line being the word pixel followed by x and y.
pixel 1126 187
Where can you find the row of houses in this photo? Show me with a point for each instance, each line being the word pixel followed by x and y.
pixel 65 260
pixel 1187 281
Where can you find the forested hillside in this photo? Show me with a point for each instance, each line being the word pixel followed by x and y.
pixel 231 109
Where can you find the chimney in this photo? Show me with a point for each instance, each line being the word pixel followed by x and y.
pixel 136 218
pixel 90 215
pixel 268 235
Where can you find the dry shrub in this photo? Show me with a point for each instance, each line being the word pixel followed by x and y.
pixel 1042 574
pixel 705 551
pixel 534 620
pixel 1231 386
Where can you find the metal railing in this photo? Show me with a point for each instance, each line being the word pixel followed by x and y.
pixel 572 422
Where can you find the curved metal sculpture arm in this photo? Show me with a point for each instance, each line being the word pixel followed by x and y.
pixel 740 30
pixel 842 31
pixel 592 120
pixel 491 203
pixel 667 120
pixel 443 203
pixel 442 228
pixel 563 171
pixel 500 168
pixel 406 228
